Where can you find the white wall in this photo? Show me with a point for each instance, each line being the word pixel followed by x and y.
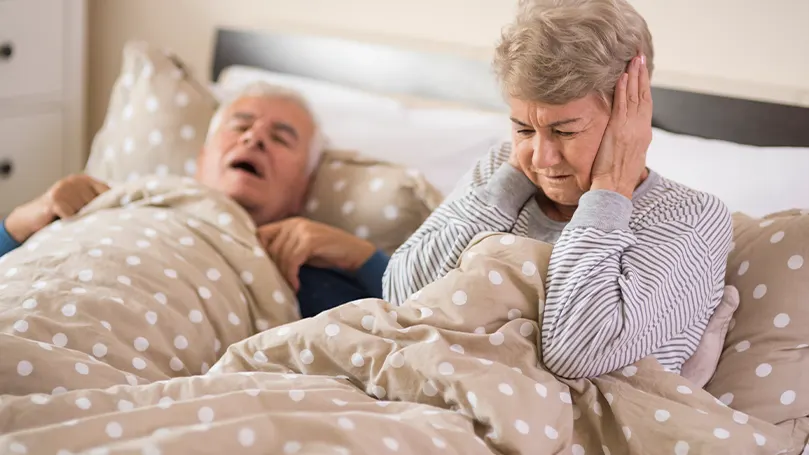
pixel 753 49
pixel 748 48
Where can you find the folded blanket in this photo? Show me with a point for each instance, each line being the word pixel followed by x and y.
pixel 455 369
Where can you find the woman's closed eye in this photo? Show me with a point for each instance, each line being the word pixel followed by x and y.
pixel 525 132
pixel 565 133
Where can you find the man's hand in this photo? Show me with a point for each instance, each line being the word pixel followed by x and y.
pixel 64 199
pixel 294 242
pixel 621 158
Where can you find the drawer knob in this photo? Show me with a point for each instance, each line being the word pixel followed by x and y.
pixel 6 169
pixel 6 51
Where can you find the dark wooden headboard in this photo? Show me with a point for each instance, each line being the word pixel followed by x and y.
pixel 386 69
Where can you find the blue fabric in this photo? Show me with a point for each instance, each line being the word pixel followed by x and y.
pixel 7 243
pixel 323 289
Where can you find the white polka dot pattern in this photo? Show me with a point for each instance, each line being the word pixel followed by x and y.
pixel 399 202
pixel 476 358
pixel 153 123
pixel 114 311
pixel 764 350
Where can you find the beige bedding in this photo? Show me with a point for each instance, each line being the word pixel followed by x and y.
pixel 109 325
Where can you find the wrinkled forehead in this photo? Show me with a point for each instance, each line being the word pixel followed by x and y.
pixel 587 108
pixel 269 110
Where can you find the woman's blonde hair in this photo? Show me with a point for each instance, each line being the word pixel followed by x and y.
pixel 557 51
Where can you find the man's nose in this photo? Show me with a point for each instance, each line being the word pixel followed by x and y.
pixel 546 153
pixel 251 138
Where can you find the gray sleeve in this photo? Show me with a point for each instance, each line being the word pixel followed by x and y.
pixel 604 210
pixel 616 295
pixel 488 200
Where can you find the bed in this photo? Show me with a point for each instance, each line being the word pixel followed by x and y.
pixel 171 332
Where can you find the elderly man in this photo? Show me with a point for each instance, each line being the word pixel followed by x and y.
pixel 261 151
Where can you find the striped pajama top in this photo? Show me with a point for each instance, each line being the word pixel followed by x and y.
pixel 626 279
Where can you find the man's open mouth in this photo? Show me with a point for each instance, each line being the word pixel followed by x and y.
pixel 246 166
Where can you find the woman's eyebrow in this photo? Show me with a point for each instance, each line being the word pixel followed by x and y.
pixel 523 124
pixel 552 125
pixel 562 122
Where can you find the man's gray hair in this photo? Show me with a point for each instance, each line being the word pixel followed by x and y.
pixel 261 89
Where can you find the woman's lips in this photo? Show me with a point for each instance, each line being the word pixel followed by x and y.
pixel 560 178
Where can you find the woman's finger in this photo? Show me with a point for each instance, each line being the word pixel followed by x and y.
pixel 619 98
pixel 632 86
pixel 645 90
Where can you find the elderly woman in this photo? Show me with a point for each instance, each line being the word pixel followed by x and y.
pixel 639 260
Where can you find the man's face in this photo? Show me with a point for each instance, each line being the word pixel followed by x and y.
pixel 557 144
pixel 258 156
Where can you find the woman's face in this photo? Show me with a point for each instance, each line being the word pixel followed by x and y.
pixel 557 144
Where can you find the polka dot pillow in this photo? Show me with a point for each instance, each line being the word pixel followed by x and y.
pixel 375 200
pixel 156 120
pixel 764 367
pixel 156 123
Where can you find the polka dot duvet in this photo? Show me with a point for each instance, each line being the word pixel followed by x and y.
pixel 153 324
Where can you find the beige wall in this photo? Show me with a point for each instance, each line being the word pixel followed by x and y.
pixel 753 49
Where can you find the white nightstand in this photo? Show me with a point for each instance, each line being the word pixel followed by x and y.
pixel 42 95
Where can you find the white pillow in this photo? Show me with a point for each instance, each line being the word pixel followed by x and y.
pixel 323 96
pixel 754 180
pixel 443 147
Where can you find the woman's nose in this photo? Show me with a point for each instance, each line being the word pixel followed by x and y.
pixel 545 153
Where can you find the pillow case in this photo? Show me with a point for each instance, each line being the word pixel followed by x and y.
pixel 372 199
pixel 702 365
pixel 748 179
pixel 156 120
pixel 764 368
pixel 156 124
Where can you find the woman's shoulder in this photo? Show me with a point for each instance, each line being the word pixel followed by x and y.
pixel 485 165
pixel 497 154
pixel 669 199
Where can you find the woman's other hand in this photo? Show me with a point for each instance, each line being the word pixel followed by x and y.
pixel 621 160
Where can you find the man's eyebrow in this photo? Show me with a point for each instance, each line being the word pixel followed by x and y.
pixel 281 126
pixel 244 116
pixel 552 125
